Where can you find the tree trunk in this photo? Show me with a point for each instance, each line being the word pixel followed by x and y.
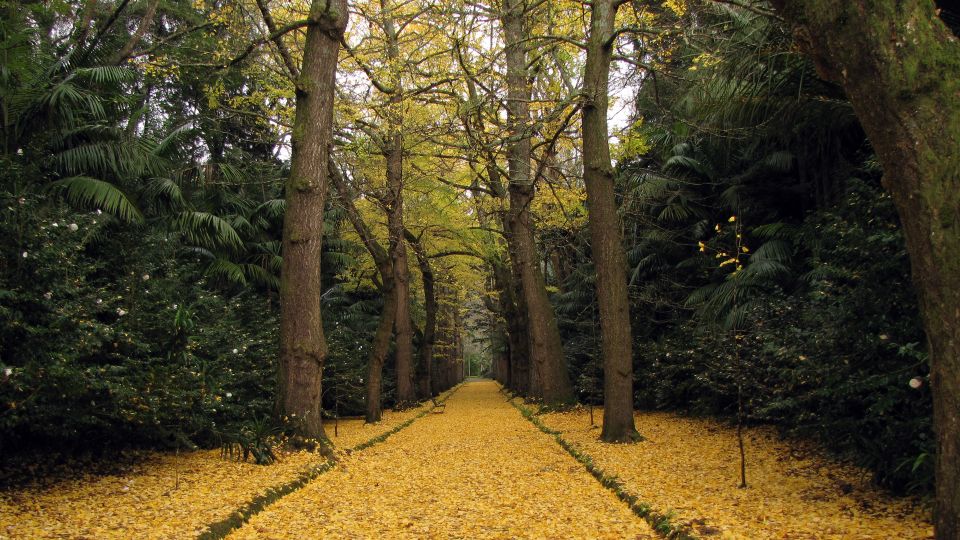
pixel 303 347
pixel 549 380
pixel 900 66
pixel 518 371
pixel 393 152
pixel 499 335
pixel 606 245
pixel 403 325
pixel 378 352
pixel 425 365
pixel 380 345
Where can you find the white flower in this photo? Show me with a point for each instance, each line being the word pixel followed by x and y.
pixel 25 254
pixel 94 222
pixel 146 277
pixel 234 351
pixel 22 201
pixel 884 337
pixel 73 227
pixel 48 295
pixel 19 151
pixel 175 306
pixel 99 301
pixel 229 395
pixel 121 312
pixel 99 211
pixel 916 382
pixel 54 224
pixel 7 372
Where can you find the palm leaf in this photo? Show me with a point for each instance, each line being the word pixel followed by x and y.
pixel 93 193
pixel 206 229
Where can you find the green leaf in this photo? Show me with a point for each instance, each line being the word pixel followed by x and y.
pixel 93 193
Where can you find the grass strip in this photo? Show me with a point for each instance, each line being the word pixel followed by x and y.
pixel 659 521
pixel 220 529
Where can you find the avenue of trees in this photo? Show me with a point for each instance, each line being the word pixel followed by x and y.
pixel 256 216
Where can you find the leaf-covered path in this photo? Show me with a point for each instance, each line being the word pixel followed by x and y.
pixel 478 470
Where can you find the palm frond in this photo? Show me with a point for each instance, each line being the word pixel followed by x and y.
pixel 93 193
pixel 208 230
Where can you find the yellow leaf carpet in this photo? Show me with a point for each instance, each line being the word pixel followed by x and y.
pixel 477 470
pixel 480 470
pixel 167 496
pixel 689 468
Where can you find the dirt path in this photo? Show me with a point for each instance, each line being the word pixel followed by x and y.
pixel 478 470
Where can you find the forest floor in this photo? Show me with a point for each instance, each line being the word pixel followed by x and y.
pixel 480 469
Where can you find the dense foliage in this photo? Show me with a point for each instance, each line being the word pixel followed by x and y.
pixel 142 211
pixel 765 256
pixel 141 254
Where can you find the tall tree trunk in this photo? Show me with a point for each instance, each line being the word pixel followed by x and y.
pixel 380 345
pixel 403 325
pixel 606 245
pixel 303 347
pixel 900 66
pixel 549 380
pixel 425 367
pixel 393 152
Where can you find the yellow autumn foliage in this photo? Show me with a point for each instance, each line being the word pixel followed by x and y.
pixel 166 496
pixel 478 470
pixel 689 468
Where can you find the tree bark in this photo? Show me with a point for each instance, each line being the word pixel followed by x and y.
pixel 379 348
pixel 393 152
pixel 124 53
pixel 425 367
pixel 380 345
pixel 303 347
pixel 403 325
pixel 549 380
pixel 606 244
pixel 900 66
pixel 518 373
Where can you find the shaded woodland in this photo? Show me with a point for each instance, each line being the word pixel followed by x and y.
pixel 230 224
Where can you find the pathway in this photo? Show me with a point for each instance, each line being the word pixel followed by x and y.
pixel 477 470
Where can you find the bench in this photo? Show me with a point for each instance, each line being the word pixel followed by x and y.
pixel 438 406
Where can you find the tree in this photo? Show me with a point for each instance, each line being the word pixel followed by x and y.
pixel 549 379
pixel 606 245
pixel 380 346
pixel 303 347
pixel 900 66
pixel 429 334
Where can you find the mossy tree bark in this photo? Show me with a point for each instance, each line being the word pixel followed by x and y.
pixel 303 347
pixel 606 245
pixel 549 379
pixel 900 67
